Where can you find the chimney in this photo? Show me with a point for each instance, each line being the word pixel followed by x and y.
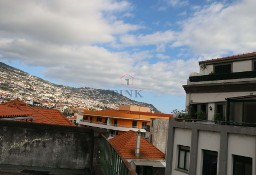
pixel 137 149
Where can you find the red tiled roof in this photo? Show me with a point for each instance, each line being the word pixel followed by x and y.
pixel 6 112
pixel 230 58
pixel 125 145
pixel 40 115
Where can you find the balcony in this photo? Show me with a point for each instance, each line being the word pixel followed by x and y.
pixel 229 76
pixel 109 126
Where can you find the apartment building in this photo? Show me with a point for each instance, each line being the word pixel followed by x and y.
pixel 224 87
pixel 126 118
pixel 218 135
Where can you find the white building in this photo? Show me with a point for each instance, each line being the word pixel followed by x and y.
pixel 220 80
pixel 224 91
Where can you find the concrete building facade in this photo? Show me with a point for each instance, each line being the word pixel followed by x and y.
pixel 159 133
pixel 218 80
pixel 119 121
pixel 217 136
pixel 231 145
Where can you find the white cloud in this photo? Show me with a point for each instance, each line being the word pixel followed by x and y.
pixel 221 29
pixel 86 65
pixel 157 38
pixel 65 38
pixel 72 41
pixel 165 77
pixel 63 22
pixel 214 29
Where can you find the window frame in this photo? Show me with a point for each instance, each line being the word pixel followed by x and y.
pixel 206 153
pixel 144 125
pixel 186 149
pixel 253 65
pixel 242 159
pixel 134 126
pixel 224 106
pixel 115 122
pixel 99 119
pixel 231 68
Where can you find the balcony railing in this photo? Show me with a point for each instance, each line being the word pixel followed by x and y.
pixel 214 77
pixel 217 122
pixel 110 126
pixel 110 162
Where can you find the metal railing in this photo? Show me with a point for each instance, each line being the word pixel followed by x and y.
pixel 218 122
pixel 115 125
pixel 213 77
pixel 110 162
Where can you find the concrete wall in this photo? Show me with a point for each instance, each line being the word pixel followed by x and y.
pixel 50 146
pixel 134 108
pixel 159 132
pixel 241 145
pixel 211 113
pixel 206 141
pixel 79 117
pixel 207 70
pixel 182 137
pixel 241 66
pixel 227 140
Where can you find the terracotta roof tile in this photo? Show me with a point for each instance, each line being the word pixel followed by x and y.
pixel 12 112
pixel 239 56
pixel 40 115
pixel 125 145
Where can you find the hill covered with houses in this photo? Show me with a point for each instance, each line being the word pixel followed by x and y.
pixel 15 83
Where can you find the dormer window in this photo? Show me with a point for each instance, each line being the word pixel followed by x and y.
pixel 222 69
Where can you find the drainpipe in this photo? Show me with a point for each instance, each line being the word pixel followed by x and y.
pixel 137 149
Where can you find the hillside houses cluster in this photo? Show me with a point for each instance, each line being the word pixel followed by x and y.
pixel 30 89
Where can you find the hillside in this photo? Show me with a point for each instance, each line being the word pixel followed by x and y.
pixel 15 83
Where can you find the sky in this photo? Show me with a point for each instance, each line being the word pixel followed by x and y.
pixel 96 43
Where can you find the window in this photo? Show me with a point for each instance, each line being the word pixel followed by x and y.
pixel 254 65
pixel 210 161
pixel 115 122
pixel 134 124
pixel 198 111
pixel 99 119
pixel 91 119
pixel 113 133
pixel 242 165
pixel 183 157
pixel 106 121
pixel 241 111
pixel 222 69
pixel 144 125
pixel 86 117
pixel 220 112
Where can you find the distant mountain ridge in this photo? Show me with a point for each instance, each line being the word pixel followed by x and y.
pixel 15 83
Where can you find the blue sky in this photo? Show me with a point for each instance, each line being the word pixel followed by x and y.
pixel 93 43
